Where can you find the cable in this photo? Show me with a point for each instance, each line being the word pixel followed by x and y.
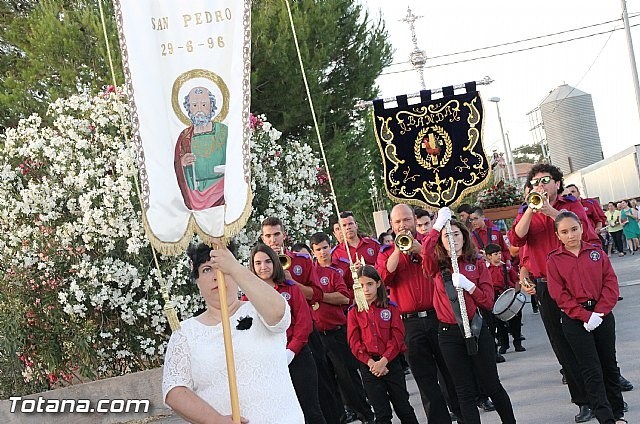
pixel 519 41
pixel 510 52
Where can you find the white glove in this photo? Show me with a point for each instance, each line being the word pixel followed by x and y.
pixel 462 282
pixel 444 214
pixel 594 321
pixel 290 356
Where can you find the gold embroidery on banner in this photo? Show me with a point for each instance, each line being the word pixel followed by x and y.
pixel 432 139
pixel 424 116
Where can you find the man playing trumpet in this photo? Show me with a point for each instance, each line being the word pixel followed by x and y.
pixel 534 230
pixel 400 267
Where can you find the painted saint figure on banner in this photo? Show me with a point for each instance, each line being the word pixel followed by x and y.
pixel 200 154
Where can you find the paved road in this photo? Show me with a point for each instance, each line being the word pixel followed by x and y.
pixel 532 379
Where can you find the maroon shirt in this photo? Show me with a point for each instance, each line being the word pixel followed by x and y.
pixel 303 271
pixel 367 248
pixel 344 268
pixel 408 285
pixel 496 238
pixel 594 211
pixel 497 277
pixel 328 316
pixel 301 324
pixel 378 331
pixel 541 238
pixel 477 272
pixel 573 280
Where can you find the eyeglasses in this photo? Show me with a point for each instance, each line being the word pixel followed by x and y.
pixel 544 180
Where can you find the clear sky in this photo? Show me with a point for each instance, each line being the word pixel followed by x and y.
pixel 597 65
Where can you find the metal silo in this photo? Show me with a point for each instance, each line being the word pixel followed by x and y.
pixel 571 129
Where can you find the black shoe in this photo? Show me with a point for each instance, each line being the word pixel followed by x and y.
pixel 348 417
pixel 584 415
pixel 535 310
pixel 503 349
pixel 520 348
pixel 454 417
pixel 625 385
pixel 486 405
pixel 500 359
pixel 625 406
pixel 407 371
pixel 564 379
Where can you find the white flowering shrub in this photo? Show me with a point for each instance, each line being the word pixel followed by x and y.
pixel 288 183
pixel 79 291
pixel 78 286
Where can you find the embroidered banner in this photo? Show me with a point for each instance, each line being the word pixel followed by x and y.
pixel 432 151
pixel 187 69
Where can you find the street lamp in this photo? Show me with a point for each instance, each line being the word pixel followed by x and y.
pixel 509 156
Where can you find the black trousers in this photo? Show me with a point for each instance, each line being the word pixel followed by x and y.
pixel 550 314
pixel 304 376
pixel 483 364
pixel 596 355
pixel 391 387
pixel 425 359
pixel 617 240
pixel 327 389
pixel 513 326
pixel 345 366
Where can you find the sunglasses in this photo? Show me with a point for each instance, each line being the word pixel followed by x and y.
pixel 544 180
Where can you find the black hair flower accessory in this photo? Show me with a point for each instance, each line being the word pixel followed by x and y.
pixel 244 323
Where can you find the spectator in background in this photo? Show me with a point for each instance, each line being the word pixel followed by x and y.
pixel 629 219
pixel 615 227
pixel 464 212
pixel 385 239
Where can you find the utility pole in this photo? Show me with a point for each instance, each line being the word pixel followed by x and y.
pixel 632 57
pixel 513 160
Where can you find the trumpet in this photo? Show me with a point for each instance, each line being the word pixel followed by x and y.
pixel 285 261
pixel 535 200
pixel 404 241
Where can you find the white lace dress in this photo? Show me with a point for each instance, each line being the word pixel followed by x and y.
pixel 195 359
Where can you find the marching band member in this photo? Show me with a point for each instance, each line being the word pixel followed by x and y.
pixel 534 229
pixel 264 263
pixel 424 222
pixel 303 273
pixel 583 283
pixel 412 291
pixel 475 280
pixel 359 247
pixel 337 233
pixel 504 276
pixel 331 324
pixel 376 338
pixel 592 208
pixel 483 235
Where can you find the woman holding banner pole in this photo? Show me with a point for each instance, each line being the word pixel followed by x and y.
pixel 475 281
pixel 195 374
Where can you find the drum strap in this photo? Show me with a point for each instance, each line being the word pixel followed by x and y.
pixel 479 239
pixel 505 273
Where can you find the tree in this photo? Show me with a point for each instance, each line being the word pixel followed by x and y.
pixel 54 48
pixel 343 52
pixel 529 153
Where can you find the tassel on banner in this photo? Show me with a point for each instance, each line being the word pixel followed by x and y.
pixel 169 310
pixel 358 292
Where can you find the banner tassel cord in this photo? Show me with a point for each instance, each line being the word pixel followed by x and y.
pixel 360 300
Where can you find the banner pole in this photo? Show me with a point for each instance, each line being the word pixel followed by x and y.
pixel 228 348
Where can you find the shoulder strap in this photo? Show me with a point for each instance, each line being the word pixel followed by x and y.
pixel 479 239
pixel 505 273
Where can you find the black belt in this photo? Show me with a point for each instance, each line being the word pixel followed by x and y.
pixel 326 332
pixel 539 280
pixel 421 314
pixel 589 305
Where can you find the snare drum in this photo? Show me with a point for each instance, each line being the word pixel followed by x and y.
pixel 509 304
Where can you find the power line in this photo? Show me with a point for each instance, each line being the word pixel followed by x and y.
pixel 521 41
pixel 511 51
